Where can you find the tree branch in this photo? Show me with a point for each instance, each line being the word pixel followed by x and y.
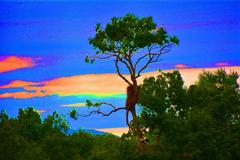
pixel 109 113
pixel 145 55
pixel 118 71
pixel 153 57
pixel 132 68
pixel 98 111
pixel 98 57
pixel 124 62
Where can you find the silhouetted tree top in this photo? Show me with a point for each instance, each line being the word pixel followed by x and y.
pixel 132 41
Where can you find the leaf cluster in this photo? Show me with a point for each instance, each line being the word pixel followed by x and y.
pixel 129 34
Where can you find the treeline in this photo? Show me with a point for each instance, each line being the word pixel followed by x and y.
pixel 197 122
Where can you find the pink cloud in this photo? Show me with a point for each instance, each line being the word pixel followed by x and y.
pixel 181 66
pixel 222 64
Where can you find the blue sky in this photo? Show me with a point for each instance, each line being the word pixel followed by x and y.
pixel 55 35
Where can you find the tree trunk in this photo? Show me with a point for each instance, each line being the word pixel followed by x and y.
pixel 136 124
pixel 131 101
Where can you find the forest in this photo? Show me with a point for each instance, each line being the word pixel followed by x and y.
pixel 198 122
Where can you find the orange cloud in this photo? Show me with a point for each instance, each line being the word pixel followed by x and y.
pixel 92 84
pixel 85 84
pixel 12 63
pixel 181 66
pixel 21 94
pixel 19 83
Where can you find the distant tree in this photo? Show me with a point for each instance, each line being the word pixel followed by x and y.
pixel 3 116
pixel 56 121
pixel 29 123
pixel 199 122
pixel 133 43
pixel 219 93
pixel 19 135
pixel 160 97
pixel 215 100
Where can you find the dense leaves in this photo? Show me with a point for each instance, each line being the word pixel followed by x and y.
pixel 129 33
pixel 199 122
pixel 27 137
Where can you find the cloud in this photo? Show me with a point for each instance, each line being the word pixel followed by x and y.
pixel 21 94
pixel 100 85
pixel 41 111
pixel 74 105
pixel 11 63
pixel 96 85
pixel 19 83
pixel 115 131
pixel 181 66
pixel 222 64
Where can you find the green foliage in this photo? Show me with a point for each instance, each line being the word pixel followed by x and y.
pixel 129 34
pixel 199 122
pixel 161 95
pixel 219 92
pixel 134 43
pixel 29 123
pixel 3 116
pixel 57 121
pixel 88 60
pixel 27 137
pixel 92 104
pixel 73 114
pixel 19 136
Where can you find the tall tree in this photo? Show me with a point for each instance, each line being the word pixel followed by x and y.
pixel 133 43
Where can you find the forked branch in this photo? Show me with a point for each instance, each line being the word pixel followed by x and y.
pixel 99 111
pixel 152 57
pixel 119 73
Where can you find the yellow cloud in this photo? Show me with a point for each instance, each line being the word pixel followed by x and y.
pixel 41 111
pixel 73 105
pixel 115 131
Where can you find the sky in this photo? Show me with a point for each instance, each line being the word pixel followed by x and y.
pixel 43 45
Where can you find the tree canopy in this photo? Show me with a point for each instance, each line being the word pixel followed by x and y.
pixel 199 122
pixel 130 40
